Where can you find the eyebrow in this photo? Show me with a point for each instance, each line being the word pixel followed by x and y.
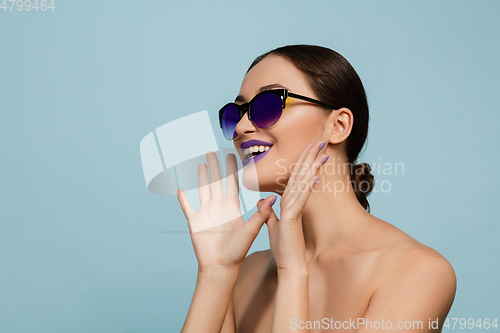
pixel 241 99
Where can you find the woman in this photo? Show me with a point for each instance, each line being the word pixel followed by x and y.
pixel 331 265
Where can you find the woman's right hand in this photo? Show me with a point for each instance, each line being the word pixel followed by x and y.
pixel 220 237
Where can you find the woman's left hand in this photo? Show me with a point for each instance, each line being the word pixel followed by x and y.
pixel 285 235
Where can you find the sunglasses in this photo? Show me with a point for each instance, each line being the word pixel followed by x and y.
pixel 264 110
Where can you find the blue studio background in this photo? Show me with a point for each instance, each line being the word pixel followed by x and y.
pixel 83 244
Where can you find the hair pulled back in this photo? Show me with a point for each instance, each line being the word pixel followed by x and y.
pixel 335 83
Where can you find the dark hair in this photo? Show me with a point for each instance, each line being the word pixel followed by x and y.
pixel 335 83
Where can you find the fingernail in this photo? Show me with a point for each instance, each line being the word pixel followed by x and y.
pixel 274 200
pixel 316 180
pixel 322 145
pixel 324 160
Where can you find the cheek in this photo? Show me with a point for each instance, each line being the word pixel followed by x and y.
pixel 292 135
pixel 291 143
pixel 299 126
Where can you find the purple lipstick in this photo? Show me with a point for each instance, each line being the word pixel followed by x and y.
pixel 254 159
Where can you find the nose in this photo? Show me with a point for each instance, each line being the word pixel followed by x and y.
pixel 245 126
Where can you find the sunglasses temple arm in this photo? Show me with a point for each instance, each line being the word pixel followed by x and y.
pixel 309 100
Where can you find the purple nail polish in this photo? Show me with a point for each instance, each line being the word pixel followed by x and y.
pixel 324 160
pixel 322 145
pixel 316 180
pixel 274 200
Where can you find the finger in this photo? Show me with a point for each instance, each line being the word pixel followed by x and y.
pixel 215 177
pixel 262 214
pixel 184 202
pixel 300 197
pixel 306 170
pixel 313 169
pixel 203 189
pixel 297 165
pixel 232 180
pixel 272 221
pixel 310 156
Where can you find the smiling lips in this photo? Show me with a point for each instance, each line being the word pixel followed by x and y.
pixel 255 150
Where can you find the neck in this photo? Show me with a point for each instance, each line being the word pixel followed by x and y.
pixel 332 217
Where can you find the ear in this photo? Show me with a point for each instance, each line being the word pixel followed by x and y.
pixel 341 121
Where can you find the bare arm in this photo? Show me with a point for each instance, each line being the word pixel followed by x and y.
pixel 229 325
pixel 288 247
pixel 292 301
pixel 221 240
pixel 211 300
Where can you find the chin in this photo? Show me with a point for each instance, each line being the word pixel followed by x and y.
pixel 253 182
pixel 250 178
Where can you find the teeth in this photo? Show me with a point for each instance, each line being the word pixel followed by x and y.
pixel 253 149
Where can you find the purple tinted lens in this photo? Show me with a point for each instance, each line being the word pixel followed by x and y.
pixel 230 118
pixel 266 110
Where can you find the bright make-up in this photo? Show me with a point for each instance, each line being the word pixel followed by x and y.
pixel 254 151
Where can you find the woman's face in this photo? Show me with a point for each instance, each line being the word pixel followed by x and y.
pixel 300 124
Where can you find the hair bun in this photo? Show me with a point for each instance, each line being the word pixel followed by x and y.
pixel 363 183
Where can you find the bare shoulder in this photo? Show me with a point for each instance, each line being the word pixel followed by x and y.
pixel 402 260
pixel 418 259
pixel 411 280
